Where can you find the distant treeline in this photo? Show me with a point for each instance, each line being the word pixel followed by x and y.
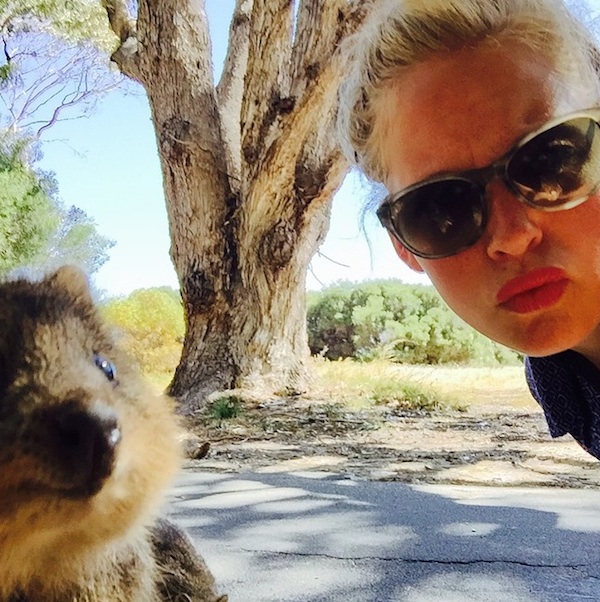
pixel 365 321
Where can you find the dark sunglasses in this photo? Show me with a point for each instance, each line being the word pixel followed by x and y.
pixel 555 167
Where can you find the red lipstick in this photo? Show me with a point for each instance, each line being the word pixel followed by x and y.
pixel 535 290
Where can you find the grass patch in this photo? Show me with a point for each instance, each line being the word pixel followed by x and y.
pixel 405 396
pixel 224 407
pixel 426 387
pixel 362 385
pixel 495 389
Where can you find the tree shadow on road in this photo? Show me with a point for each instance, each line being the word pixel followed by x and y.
pixel 322 538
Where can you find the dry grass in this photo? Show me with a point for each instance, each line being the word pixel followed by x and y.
pixel 463 387
pixel 503 387
pixel 360 385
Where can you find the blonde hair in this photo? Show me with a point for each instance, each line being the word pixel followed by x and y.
pixel 401 33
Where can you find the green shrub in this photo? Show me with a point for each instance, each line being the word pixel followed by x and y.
pixel 330 329
pixel 395 321
pixel 27 214
pixel 151 327
pixel 225 407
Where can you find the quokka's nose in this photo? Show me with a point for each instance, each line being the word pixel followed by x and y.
pixel 84 444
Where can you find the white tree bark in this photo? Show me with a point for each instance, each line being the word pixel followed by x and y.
pixel 249 170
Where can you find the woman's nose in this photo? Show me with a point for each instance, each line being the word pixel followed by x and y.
pixel 513 228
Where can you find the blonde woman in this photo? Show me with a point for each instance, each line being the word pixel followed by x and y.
pixel 482 120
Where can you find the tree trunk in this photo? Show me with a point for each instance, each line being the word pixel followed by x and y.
pixel 249 170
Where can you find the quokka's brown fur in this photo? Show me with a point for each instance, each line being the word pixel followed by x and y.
pixel 86 452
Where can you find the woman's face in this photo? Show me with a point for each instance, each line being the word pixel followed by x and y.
pixel 532 282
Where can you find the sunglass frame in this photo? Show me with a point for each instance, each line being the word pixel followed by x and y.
pixel 481 177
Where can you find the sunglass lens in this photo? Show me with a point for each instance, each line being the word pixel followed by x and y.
pixel 439 219
pixel 560 166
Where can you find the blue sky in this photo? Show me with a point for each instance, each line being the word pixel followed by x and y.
pixel 108 165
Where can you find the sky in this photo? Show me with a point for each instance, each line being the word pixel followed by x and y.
pixel 107 164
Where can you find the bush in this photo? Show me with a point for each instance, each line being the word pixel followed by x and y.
pixel 329 319
pixel 395 321
pixel 151 327
pixel 225 407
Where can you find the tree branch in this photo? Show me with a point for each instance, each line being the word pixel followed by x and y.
pixel 231 87
pixel 58 110
pixel 267 80
pixel 322 26
pixel 306 132
pixel 175 66
pixel 124 26
pixel 316 31
pixel 328 23
pixel 49 72
pixel 174 38
pixel 119 18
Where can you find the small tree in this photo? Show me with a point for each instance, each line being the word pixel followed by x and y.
pixel 53 60
pixel 150 323
pixel 74 240
pixel 27 218
pixel 36 231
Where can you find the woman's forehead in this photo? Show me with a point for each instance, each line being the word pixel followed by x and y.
pixel 463 110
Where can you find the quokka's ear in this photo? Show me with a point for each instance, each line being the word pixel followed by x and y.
pixel 72 280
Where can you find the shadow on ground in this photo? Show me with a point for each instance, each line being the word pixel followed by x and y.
pixel 320 537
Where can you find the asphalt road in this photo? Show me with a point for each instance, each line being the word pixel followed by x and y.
pixel 322 538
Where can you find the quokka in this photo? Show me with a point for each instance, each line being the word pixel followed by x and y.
pixel 86 453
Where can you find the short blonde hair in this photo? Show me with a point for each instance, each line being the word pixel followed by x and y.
pixel 401 33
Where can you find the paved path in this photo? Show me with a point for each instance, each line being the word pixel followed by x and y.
pixel 311 537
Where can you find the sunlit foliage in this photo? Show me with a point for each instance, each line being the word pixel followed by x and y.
pixel 36 232
pixel 151 327
pixel 391 320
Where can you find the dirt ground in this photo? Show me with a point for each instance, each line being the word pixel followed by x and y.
pixel 501 440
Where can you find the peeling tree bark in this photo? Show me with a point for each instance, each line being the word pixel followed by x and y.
pixel 249 169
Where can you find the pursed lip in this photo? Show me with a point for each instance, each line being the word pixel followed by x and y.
pixel 536 280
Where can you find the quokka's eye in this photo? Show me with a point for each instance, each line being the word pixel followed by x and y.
pixel 106 366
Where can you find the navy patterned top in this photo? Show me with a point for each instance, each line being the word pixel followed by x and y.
pixel 567 386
